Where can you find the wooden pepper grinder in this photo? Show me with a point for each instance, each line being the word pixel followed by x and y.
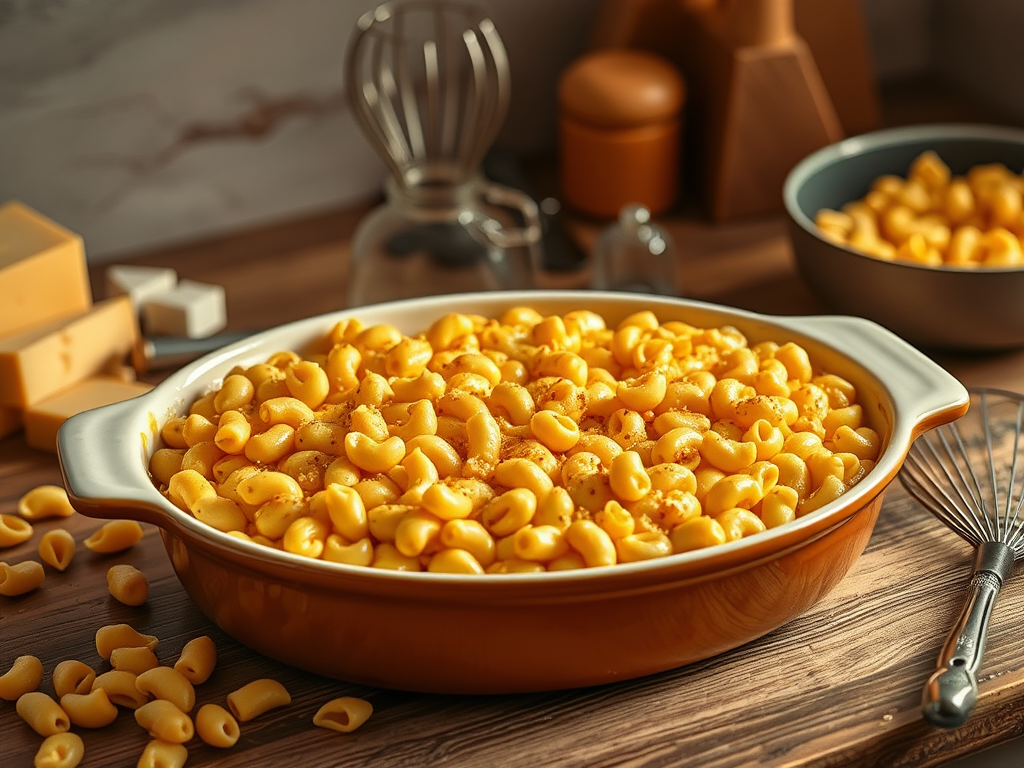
pixel 767 106
pixel 756 101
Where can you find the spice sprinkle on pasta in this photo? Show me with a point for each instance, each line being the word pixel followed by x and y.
pixel 519 443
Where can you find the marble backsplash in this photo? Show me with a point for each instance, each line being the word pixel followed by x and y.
pixel 143 123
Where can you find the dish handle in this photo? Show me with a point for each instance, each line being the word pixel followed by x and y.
pixel 103 464
pixel 923 392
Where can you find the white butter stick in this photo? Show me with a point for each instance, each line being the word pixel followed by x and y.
pixel 139 283
pixel 191 309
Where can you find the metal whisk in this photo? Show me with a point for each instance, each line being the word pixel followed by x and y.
pixel 970 475
pixel 429 82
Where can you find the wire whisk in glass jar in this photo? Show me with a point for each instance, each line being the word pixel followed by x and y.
pixel 429 84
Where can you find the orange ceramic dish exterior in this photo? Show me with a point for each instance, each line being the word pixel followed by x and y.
pixel 449 633
pixel 508 636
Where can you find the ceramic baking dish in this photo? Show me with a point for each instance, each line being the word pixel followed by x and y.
pixel 520 632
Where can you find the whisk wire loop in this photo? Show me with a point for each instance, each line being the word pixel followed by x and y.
pixel 969 475
pixel 981 512
pixel 429 82
pixel 928 478
pixel 1016 539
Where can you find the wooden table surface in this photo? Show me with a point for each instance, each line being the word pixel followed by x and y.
pixel 838 686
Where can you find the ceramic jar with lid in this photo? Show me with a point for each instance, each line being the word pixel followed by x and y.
pixel 620 131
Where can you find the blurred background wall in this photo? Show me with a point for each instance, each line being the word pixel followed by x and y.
pixel 145 123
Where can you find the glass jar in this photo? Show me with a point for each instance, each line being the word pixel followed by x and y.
pixel 635 255
pixel 435 235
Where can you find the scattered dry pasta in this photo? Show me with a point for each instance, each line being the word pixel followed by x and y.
pixel 43 715
pixel 57 548
pixel 343 714
pixel 127 584
pixel 115 536
pixel 163 754
pixel 161 698
pixel 14 530
pixel 165 722
pixel 25 674
pixel 216 726
pixel 515 444
pixel 169 684
pixel 934 218
pixel 121 688
pixel 197 659
pixel 72 676
pixel 45 501
pixel 20 578
pixel 114 636
pixel 257 697
pixel 61 750
pixel 137 659
pixel 89 710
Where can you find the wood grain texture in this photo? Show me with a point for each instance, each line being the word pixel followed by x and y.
pixel 838 686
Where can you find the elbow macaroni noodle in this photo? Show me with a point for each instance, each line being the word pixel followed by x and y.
pixel 113 636
pixel 14 530
pixel 24 676
pixel 216 726
pixel 61 750
pixel 72 676
pixel 257 697
pixel 160 697
pixel 518 444
pixel 20 578
pixel 43 715
pixel 133 659
pixel 89 710
pixel 162 754
pixel 164 721
pixel 115 536
pixel 45 501
pixel 169 684
pixel 936 219
pixel 57 548
pixel 343 714
pixel 197 659
pixel 127 584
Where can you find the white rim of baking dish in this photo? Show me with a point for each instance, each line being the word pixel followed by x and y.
pixel 104 452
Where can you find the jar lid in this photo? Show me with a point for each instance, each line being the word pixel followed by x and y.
pixel 621 88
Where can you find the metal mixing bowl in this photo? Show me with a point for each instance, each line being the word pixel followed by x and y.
pixel 948 308
pixel 520 632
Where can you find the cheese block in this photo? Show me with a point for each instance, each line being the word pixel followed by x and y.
pixel 192 310
pixel 139 283
pixel 39 363
pixel 10 421
pixel 43 420
pixel 43 273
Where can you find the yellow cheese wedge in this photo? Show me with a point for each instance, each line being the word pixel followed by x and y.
pixel 41 362
pixel 43 420
pixel 10 421
pixel 43 273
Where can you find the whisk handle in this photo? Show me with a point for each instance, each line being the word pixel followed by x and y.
pixel 950 693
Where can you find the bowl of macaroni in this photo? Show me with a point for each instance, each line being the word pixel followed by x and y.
pixel 919 229
pixel 514 491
